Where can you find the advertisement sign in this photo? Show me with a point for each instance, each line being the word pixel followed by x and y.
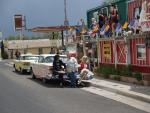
pixel 145 25
pixel 107 50
pixel 18 19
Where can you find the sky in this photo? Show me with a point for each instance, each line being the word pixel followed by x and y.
pixel 42 12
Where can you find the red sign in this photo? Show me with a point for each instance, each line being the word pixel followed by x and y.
pixel 18 22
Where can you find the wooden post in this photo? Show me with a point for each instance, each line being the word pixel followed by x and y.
pixel 62 34
pixel 115 53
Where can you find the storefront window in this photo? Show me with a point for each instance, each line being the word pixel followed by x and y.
pixel 141 51
pixel 25 51
pixel 40 51
pixel 137 12
pixel 95 15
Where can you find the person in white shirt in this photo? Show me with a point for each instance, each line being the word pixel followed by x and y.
pixel 72 68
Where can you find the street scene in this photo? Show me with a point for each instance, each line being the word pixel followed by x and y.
pixel 89 56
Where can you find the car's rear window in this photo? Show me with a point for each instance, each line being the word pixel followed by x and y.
pixel 30 58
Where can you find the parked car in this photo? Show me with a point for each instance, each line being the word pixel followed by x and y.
pixel 23 63
pixel 43 67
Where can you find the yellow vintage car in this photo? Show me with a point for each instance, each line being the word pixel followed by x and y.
pixel 23 63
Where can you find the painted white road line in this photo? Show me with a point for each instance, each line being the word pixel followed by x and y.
pixel 123 99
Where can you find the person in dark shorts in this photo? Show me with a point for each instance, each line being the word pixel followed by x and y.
pixel 58 66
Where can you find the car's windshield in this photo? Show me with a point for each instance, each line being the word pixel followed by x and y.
pixel 29 58
pixel 50 59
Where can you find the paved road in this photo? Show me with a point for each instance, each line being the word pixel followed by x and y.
pixel 21 94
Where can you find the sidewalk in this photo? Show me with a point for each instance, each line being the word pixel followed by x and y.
pixel 130 90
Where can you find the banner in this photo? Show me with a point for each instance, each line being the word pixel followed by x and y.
pixel 107 50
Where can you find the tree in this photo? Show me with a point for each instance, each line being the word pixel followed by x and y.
pixel 11 37
pixel 3 52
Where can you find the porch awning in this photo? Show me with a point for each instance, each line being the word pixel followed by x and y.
pixel 51 29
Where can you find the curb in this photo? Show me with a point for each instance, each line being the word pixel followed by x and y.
pixel 124 93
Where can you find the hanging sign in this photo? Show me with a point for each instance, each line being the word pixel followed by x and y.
pixel 107 50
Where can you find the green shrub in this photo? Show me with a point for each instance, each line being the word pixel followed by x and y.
pixel 4 54
pixel 138 76
pixel 107 70
pixel 126 71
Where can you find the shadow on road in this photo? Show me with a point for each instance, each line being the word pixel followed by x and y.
pixel 55 83
pixel 19 73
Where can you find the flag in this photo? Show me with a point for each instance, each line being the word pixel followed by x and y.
pixel 102 30
pixel 125 25
pixel 95 29
pixel 83 31
pixel 118 28
pixel 78 30
pixel 132 24
pixel 107 30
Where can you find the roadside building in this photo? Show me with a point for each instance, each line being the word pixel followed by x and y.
pixel 130 48
pixel 40 46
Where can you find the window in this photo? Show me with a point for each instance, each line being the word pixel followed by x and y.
pixel 41 59
pixel 95 15
pixel 105 11
pixel 25 51
pixel 137 12
pixel 49 59
pixel 40 51
pixel 141 51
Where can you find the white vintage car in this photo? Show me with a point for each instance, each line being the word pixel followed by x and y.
pixel 23 63
pixel 43 67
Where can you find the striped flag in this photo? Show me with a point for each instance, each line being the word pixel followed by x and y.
pixel 132 24
pixel 125 25
pixel 118 28
pixel 107 30
pixel 102 30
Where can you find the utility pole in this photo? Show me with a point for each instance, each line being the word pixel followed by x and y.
pixel 66 22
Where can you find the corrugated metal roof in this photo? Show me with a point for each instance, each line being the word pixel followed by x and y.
pixel 51 28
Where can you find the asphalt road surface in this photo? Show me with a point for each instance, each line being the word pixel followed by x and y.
pixel 20 94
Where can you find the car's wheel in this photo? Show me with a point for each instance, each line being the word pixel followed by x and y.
pixel 33 75
pixel 21 71
pixel 30 72
pixel 44 80
pixel 15 68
